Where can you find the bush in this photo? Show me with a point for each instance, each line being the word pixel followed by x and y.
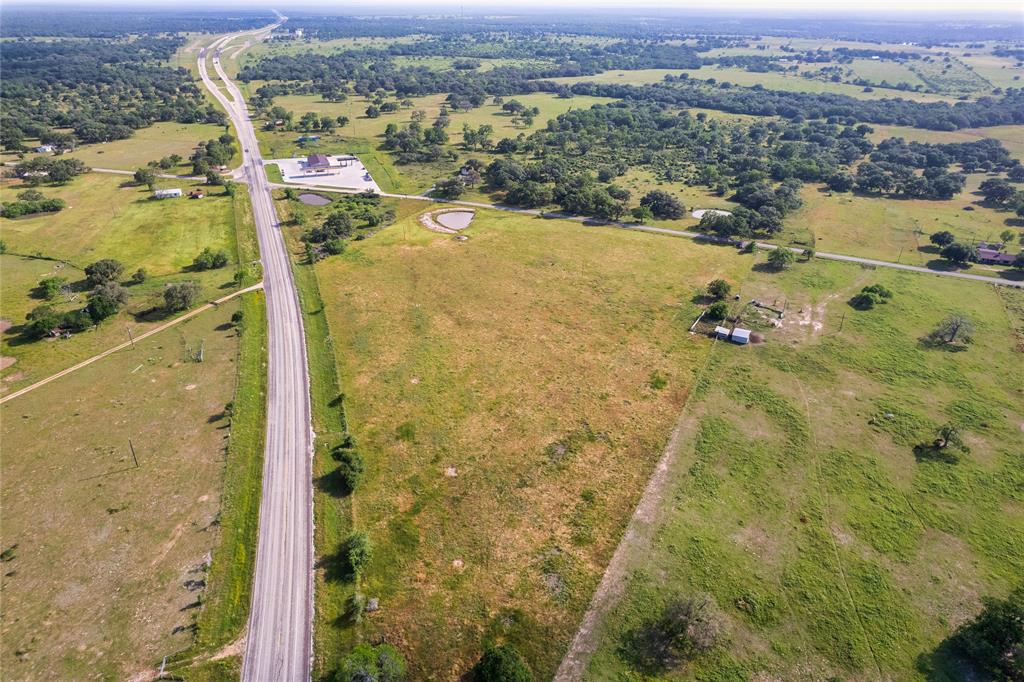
pixel 139 276
pixel 350 467
pixel 356 552
pixel 717 311
pixel 719 289
pixel 381 663
pixel 180 296
pixel 781 258
pixel 51 286
pixel 870 296
pixel 208 259
pixel 103 271
pixel 501 664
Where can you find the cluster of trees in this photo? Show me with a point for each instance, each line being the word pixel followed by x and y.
pixel 418 143
pixel 44 169
pixel 329 237
pixel 870 296
pixel 117 86
pixel 30 201
pixel 212 153
pixel 799 106
pixel 208 259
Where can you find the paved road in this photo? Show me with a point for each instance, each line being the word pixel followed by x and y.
pixel 279 640
pixel 677 233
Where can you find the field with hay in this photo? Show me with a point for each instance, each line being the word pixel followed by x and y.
pixel 807 504
pixel 509 395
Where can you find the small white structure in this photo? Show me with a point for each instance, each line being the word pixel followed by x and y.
pixel 722 333
pixel 167 193
pixel 45 148
pixel 740 336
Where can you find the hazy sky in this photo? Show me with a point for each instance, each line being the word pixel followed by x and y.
pixel 930 7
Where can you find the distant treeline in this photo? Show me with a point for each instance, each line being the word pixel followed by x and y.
pixel 758 101
pixel 112 23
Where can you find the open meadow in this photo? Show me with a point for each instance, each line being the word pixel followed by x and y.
pixel 807 502
pixel 509 395
pixel 894 229
pixel 105 219
pixel 107 560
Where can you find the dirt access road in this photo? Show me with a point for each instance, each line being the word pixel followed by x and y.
pixel 279 640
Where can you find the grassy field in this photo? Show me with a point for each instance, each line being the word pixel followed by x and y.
pixel 953 77
pixel 879 70
pixel 105 220
pixel 1011 136
pixel 109 557
pixel 145 145
pixel 890 229
pixel 510 395
pixel 1001 72
pixel 737 76
pixel 830 550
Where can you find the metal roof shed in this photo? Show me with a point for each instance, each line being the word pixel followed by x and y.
pixel 722 332
pixel 740 335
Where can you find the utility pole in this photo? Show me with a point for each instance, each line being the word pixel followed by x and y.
pixel 131 338
pixel 899 257
pixel 842 321
pixel 132 448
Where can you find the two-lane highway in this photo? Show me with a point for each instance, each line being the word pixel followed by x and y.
pixel 278 644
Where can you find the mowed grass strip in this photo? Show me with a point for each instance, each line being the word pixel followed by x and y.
pixel 107 573
pixel 829 546
pixel 510 395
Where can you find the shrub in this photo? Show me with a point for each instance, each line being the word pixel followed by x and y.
pixel 350 467
pixel 780 258
pixel 51 286
pixel 356 552
pixel 381 663
pixel 717 311
pixel 180 296
pixel 501 664
pixel 870 296
pixel 208 259
pixel 719 288
pixel 139 276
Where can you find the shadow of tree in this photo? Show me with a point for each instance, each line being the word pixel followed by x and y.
pixel 929 452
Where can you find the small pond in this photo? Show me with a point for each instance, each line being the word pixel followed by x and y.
pixel 455 220
pixel 313 199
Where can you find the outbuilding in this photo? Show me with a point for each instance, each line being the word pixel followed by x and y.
pixel 740 336
pixel 167 193
pixel 45 148
pixel 722 333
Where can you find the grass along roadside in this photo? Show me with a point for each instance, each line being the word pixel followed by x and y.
pixel 332 515
pixel 228 594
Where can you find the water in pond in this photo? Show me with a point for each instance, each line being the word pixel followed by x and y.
pixel 455 220
pixel 313 199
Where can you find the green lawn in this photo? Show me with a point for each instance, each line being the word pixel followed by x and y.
pixel 105 220
pixel 510 395
pixel 828 548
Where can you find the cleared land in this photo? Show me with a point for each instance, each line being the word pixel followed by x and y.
pixel 510 395
pixel 892 229
pixel 145 145
pixel 103 219
pixel 108 568
pixel 829 548
pixel 772 80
